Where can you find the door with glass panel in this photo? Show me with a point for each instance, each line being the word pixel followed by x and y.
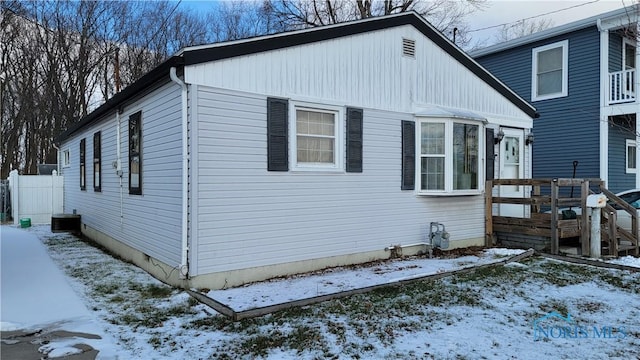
pixel 512 167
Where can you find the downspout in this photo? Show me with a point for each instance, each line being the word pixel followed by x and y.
pixel 184 265
pixel 604 100
pixel 118 135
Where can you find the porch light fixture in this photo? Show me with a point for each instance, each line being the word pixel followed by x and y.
pixel 529 139
pixel 499 137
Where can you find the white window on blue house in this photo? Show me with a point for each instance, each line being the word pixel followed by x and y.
pixel 550 71
pixel 631 157
pixel 449 157
pixel 318 138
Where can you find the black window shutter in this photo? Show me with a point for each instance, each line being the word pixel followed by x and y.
pixel 408 155
pixel 277 134
pixel 354 140
pixel 490 154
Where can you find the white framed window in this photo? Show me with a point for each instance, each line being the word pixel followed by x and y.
pixel 631 158
pixel 83 164
pixel 317 141
pixel 97 162
pixel 550 71
pixel 135 153
pixel 449 157
pixel 66 158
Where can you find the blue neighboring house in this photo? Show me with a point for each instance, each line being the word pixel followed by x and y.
pixel 582 79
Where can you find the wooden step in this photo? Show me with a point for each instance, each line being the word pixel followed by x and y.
pixel 624 249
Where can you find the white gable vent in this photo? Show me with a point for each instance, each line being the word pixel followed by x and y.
pixel 409 48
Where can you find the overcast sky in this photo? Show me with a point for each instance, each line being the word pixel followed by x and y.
pixel 562 12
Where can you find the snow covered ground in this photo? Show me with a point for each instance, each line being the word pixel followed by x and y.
pixel 531 309
pixel 341 279
pixel 626 260
pixel 36 295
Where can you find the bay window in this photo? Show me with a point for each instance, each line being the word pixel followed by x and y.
pixel 449 156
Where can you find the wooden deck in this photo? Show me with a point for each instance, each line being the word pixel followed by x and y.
pixel 543 227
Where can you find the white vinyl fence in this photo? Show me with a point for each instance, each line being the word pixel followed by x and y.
pixel 35 196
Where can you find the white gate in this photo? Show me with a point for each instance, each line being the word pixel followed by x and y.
pixel 36 197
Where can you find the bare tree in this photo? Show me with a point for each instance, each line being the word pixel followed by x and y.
pixel 151 33
pixel 522 28
pixel 9 130
pixel 445 15
pixel 58 64
pixel 233 20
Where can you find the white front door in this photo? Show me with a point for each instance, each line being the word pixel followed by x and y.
pixel 512 167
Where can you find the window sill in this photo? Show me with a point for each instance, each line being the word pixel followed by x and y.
pixel 450 193
pixel 316 171
pixel 549 97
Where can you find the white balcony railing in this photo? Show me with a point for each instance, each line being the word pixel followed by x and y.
pixel 622 86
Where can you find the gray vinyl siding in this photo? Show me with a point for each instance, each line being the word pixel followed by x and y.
pixel 151 221
pixel 619 180
pixel 568 127
pixel 248 217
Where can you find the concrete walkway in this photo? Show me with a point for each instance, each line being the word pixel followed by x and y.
pixel 38 305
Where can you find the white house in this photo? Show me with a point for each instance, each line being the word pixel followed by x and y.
pixel 240 161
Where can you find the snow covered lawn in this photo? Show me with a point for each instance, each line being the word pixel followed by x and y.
pixel 345 279
pixel 489 313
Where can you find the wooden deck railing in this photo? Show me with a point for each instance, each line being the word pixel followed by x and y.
pixel 543 215
pixel 610 213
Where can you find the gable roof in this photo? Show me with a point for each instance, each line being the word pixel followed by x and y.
pixel 206 53
pixel 629 14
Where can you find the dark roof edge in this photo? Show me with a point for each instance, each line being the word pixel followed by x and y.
pixel 301 37
pixel 284 40
pixel 123 96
